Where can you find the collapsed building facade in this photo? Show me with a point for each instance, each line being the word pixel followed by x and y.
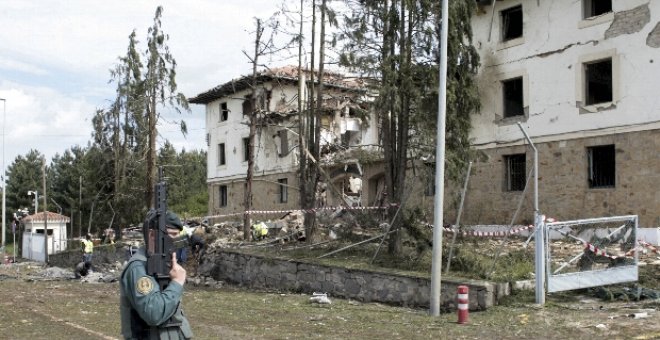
pixel 580 77
pixel 346 126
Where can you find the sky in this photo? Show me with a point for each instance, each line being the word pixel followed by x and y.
pixel 55 58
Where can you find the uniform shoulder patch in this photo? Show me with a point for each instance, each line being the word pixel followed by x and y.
pixel 144 285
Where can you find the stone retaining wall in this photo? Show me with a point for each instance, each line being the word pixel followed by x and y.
pixel 102 254
pixel 285 275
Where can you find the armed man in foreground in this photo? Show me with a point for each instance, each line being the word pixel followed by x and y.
pixel 151 285
pixel 149 311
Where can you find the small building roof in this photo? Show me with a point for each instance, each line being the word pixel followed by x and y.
pixel 282 74
pixel 52 217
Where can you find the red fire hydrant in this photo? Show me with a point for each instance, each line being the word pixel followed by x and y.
pixel 463 304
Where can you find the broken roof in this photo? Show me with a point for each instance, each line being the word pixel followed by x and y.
pixel 285 74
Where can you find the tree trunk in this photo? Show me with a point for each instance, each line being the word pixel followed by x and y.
pixel 247 198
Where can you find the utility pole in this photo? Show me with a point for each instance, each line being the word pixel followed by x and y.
pixel 4 186
pixel 43 179
pixel 80 209
pixel 438 210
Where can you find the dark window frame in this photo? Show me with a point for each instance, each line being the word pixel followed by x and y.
pixel 594 8
pixel 246 149
pixel 283 190
pixel 515 172
pixel 601 166
pixel 222 155
pixel 224 112
pixel 512 23
pixel 223 193
pixel 598 81
pixel 513 97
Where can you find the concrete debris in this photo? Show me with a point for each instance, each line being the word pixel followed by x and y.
pixel 320 298
pixel 205 281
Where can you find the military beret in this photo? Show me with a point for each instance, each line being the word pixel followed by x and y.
pixel 173 221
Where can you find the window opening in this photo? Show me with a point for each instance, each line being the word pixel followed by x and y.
pixel 512 23
pixel 602 166
pixel 284 192
pixel 224 112
pixel 512 92
pixel 515 172
pixel 221 154
pixel 223 195
pixel 246 149
pixel 247 105
pixel 593 8
pixel 598 82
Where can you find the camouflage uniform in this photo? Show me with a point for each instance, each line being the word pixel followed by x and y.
pixel 145 309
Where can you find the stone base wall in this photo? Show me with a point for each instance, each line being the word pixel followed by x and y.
pixel 285 275
pixel 265 192
pixel 564 192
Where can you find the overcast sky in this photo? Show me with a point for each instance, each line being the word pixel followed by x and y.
pixel 55 58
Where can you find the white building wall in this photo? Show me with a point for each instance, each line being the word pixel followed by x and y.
pixel 232 131
pixel 549 56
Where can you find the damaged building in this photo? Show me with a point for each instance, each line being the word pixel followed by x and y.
pixel 346 125
pixel 580 77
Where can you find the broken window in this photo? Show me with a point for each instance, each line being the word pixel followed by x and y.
pixel 284 193
pixel 246 149
pixel 598 82
pixel 222 196
pixel 593 8
pixel 284 143
pixel 221 154
pixel 601 166
pixel 264 100
pixel 515 172
pixel 224 112
pixel 247 105
pixel 512 23
pixel 512 93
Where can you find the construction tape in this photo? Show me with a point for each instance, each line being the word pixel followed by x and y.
pixel 649 246
pixel 485 233
pixel 314 210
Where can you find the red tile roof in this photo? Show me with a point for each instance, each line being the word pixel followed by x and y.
pixel 52 217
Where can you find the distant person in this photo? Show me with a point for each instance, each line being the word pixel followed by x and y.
pixel 147 312
pixel 87 249
pixel 82 269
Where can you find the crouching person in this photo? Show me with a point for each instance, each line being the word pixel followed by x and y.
pixel 147 312
pixel 82 269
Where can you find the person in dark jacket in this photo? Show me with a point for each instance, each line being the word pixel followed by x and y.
pixel 147 312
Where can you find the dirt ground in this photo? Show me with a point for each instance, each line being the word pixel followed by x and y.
pixel 33 306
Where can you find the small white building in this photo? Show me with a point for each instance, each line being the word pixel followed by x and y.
pixel 33 235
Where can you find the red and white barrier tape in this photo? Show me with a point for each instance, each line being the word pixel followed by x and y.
pixel 649 246
pixel 485 233
pixel 266 212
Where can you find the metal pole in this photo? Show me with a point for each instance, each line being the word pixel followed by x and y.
pixel 539 235
pixel 436 266
pixel 4 186
pixel 458 218
pixel 43 179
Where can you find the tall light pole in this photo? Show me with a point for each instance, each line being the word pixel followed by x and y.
pixel 36 200
pixel 4 187
pixel 438 210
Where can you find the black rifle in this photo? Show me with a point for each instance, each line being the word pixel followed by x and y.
pixel 159 245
